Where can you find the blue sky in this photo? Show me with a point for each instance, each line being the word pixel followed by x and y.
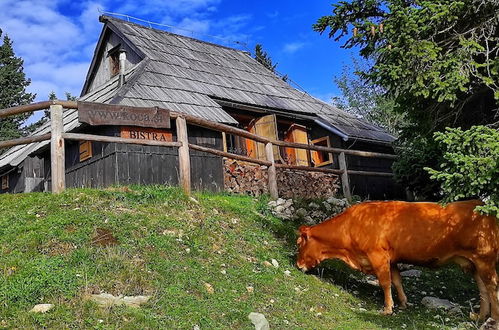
pixel 56 38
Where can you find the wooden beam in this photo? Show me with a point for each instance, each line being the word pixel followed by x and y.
pixel 229 155
pixel 183 155
pixel 360 153
pixel 310 169
pixel 224 128
pixel 114 139
pixel 272 173
pixel 367 173
pixel 35 107
pixel 345 184
pixel 24 140
pixel 57 157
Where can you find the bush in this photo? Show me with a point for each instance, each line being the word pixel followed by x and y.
pixel 470 166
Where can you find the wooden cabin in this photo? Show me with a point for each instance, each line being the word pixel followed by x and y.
pixel 139 66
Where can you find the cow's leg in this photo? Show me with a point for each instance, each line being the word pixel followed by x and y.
pixel 484 297
pixel 397 282
pixel 487 272
pixel 381 265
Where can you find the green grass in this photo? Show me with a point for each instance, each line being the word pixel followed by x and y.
pixel 169 247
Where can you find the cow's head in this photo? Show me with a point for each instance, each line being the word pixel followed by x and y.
pixel 308 250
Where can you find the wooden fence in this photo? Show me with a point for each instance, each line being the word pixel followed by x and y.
pixel 58 136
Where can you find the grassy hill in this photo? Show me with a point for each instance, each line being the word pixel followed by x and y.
pixel 198 259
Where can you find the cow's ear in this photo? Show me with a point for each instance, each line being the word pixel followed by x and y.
pixel 304 232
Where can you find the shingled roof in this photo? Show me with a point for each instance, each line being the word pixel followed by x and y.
pixel 196 77
pixel 191 76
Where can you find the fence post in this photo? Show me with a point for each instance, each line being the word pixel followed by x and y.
pixel 345 184
pixel 269 151
pixel 183 155
pixel 57 150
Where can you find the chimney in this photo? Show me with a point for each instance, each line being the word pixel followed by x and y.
pixel 122 59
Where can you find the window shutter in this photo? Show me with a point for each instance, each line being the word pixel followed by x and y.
pixel 266 126
pixel 297 134
pixel 85 150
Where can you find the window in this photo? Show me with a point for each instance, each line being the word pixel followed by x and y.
pixel 85 150
pixel 5 182
pixel 114 60
pixel 321 158
pixel 114 64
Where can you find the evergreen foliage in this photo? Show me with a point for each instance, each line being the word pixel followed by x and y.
pixel 470 166
pixel 436 60
pixel 263 58
pixel 13 83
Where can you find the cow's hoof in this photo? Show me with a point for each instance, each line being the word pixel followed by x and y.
pixel 387 311
pixel 403 305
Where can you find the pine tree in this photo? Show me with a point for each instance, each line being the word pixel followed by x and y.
pixel 13 83
pixel 263 58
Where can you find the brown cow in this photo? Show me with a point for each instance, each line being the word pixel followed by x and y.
pixel 374 236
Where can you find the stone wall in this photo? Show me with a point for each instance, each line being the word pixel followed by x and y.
pixel 245 178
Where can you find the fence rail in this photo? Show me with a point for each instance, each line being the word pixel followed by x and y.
pixel 58 136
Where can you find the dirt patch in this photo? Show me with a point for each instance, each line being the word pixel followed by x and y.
pixel 56 248
pixel 103 237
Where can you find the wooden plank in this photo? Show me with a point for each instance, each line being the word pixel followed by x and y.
pixel 25 140
pixel 345 184
pixel 229 155
pixel 101 138
pixel 369 173
pixel 274 192
pixel 183 155
pixel 360 153
pixel 310 169
pixel 57 156
pixel 35 107
pixel 114 114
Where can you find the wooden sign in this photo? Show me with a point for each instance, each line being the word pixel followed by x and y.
pixel 113 114
pixel 143 133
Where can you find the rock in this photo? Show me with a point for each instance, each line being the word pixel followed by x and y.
pixel 267 264
pixel 327 206
pixel 403 267
pixel 313 206
pixel 280 201
pixel 275 263
pixel 250 289
pixel 196 327
pixel 436 303
pixel 288 203
pixel 259 321
pixel 411 273
pixel 107 300
pixel 41 308
pixel 490 324
pixel 309 221
pixel 209 288
pixel 301 212
pixel 287 273
pixel 279 209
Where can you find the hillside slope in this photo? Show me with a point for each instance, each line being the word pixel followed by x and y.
pixel 205 262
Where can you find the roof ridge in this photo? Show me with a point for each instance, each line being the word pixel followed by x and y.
pixel 104 18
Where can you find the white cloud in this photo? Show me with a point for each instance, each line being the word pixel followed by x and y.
pixel 293 47
pixel 57 48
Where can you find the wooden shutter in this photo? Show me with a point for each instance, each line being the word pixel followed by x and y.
pixel 266 126
pixel 320 158
pixel 297 134
pixel 85 150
